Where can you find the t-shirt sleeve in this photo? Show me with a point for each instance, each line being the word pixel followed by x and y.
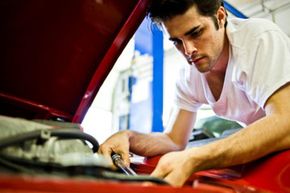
pixel 185 93
pixel 269 67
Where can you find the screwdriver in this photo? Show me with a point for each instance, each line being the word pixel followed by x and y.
pixel 117 160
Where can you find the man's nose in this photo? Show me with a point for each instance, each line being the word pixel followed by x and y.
pixel 189 48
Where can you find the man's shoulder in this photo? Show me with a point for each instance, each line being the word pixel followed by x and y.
pixel 245 32
pixel 252 26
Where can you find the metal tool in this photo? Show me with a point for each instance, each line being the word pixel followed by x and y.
pixel 117 160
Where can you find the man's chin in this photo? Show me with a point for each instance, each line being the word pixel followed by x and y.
pixel 202 68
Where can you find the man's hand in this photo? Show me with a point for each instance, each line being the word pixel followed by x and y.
pixel 117 143
pixel 175 167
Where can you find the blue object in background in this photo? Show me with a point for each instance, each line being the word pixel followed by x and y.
pixel 157 125
pixel 143 38
pixel 234 11
pixel 149 40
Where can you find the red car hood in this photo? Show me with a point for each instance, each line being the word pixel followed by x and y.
pixel 55 55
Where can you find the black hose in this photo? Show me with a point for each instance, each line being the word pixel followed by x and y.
pixel 60 133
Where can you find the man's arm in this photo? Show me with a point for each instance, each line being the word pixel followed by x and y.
pixel 154 143
pixel 267 135
pixel 161 143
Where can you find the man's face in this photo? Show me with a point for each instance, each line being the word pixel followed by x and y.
pixel 198 38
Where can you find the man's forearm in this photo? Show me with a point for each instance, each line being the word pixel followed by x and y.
pixel 151 144
pixel 265 136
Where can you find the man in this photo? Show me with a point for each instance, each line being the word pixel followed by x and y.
pixel 239 67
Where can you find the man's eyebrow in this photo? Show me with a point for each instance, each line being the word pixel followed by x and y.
pixel 192 30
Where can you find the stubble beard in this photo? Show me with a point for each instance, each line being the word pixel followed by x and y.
pixel 202 66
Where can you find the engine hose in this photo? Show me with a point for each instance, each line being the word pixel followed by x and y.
pixel 60 133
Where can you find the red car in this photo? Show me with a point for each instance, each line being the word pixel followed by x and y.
pixel 55 55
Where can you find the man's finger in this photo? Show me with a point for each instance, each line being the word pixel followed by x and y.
pixel 159 173
pixel 125 157
pixel 107 154
pixel 175 179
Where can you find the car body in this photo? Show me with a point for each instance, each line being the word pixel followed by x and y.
pixel 55 55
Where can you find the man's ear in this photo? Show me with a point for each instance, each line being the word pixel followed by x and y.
pixel 221 16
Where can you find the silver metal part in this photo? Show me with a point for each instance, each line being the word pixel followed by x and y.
pixel 117 159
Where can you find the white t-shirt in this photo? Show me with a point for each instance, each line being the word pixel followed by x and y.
pixel 259 64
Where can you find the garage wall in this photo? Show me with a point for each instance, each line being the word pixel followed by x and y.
pixel 277 11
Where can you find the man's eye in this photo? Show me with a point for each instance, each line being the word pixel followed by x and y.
pixel 177 42
pixel 196 34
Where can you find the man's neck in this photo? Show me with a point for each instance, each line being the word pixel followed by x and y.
pixel 215 77
pixel 223 59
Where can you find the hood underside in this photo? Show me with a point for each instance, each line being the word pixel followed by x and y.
pixel 55 55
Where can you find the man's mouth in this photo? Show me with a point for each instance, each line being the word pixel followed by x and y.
pixel 197 59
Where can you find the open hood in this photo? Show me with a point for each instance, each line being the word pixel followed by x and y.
pixel 55 55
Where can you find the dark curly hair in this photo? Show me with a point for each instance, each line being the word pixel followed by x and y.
pixel 162 10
